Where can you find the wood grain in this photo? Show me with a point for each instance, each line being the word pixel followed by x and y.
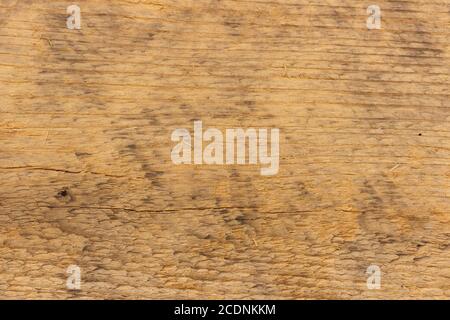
pixel 87 179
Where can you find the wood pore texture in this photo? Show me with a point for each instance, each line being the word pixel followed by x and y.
pixel 87 178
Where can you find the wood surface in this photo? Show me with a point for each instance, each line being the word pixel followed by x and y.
pixel 87 179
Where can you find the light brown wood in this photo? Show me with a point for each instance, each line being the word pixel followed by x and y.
pixel 87 179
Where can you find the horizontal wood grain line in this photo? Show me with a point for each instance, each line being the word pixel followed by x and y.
pixel 232 73
pixel 332 5
pixel 228 88
pixel 294 52
pixel 185 100
pixel 214 36
pixel 139 117
pixel 285 25
pixel 387 6
pixel 152 46
pixel 84 59
pixel 229 76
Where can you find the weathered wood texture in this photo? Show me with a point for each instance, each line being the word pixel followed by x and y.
pixel 86 174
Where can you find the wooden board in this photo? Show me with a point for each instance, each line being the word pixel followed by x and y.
pixel 87 178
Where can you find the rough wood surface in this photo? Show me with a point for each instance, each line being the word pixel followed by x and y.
pixel 86 174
